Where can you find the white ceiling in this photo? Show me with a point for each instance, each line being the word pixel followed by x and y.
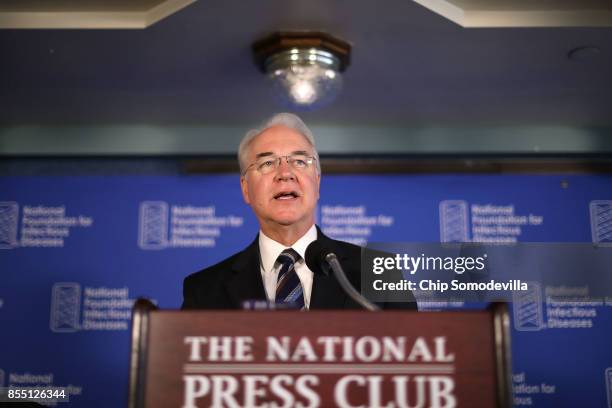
pixel 524 13
pixel 116 14
pixel 113 14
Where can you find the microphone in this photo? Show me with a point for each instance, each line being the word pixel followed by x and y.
pixel 315 258
pixel 320 260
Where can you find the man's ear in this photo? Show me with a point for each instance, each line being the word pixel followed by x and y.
pixel 245 190
pixel 318 186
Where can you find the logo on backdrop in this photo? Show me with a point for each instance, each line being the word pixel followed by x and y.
pixel 9 219
pixel 527 308
pixel 454 221
pixel 153 228
pixel 93 308
pixel 609 385
pixel 42 226
pixel 484 222
pixel 601 220
pixel 181 226
pixel 351 223
pixel 554 307
pixel 65 307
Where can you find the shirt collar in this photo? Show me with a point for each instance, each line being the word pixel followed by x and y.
pixel 270 249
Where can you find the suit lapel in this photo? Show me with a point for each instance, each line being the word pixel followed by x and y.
pixel 245 282
pixel 326 292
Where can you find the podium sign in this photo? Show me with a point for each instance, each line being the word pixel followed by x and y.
pixel 319 359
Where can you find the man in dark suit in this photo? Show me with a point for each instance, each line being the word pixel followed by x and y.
pixel 280 179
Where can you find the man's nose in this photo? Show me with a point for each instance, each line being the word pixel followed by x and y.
pixel 284 170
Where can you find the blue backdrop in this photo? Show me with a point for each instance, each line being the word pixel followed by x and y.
pixel 76 251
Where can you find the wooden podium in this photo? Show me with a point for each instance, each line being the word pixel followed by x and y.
pixel 325 359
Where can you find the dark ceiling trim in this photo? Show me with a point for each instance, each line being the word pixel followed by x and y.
pixel 370 164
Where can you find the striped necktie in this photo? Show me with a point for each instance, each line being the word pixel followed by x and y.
pixel 288 286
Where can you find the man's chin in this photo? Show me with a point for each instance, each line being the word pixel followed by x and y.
pixel 288 219
pixel 286 222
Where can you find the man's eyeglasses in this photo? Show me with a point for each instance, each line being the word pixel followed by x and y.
pixel 268 164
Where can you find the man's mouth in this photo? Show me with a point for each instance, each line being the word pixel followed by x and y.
pixel 286 195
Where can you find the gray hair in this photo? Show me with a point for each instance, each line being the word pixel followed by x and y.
pixel 280 119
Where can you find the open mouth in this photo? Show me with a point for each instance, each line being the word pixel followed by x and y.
pixel 286 195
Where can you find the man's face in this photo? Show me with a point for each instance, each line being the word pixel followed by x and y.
pixel 286 196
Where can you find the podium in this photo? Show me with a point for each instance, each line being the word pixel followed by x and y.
pixel 388 359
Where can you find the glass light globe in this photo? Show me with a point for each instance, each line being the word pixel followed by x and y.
pixel 305 80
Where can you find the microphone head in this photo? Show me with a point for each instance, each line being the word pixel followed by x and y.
pixel 315 258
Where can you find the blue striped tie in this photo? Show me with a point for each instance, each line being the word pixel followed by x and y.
pixel 288 286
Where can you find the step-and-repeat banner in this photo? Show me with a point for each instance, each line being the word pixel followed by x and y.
pixel 76 251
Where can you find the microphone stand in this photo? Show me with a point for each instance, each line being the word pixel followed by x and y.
pixel 333 262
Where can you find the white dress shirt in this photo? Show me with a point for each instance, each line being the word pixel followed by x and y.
pixel 269 250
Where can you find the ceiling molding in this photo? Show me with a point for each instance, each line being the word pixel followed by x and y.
pixel 89 15
pixel 165 9
pixel 147 140
pixel 505 13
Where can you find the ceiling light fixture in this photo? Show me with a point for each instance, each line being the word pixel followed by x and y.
pixel 305 68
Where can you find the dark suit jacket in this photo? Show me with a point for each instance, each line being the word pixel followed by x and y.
pixel 238 278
